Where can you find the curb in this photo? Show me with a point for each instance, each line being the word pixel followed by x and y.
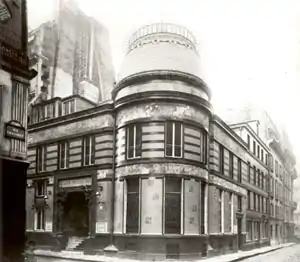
pixel 258 254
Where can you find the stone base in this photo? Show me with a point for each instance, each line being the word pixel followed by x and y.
pixel 110 251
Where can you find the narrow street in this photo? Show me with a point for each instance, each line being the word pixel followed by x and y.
pixel 288 254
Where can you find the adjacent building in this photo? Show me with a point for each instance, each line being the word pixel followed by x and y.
pixel 72 56
pixel 153 173
pixel 14 85
pixel 282 172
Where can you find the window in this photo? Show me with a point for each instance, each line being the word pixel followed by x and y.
pixel 88 150
pixel 258 177
pixel 174 139
pixel 240 170
pixel 41 158
pixel 262 180
pixel 254 175
pixel 239 204
pixel 230 204
pixel 172 205
pixel 221 159
pixel 248 141
pixel 69 107
pixel 202 208
pixel 249 230
pixel 134 141
pixel 231 165
pixel 258 151
pixel 40 219
pixel 276 167
pixel 63 155
pixel 254 147
pixel 133 205
pixel 249 171
pixel 249 199
pixel 258 203
pixel 266 159
pixel 262 155
pixel 40 188
pixel 221 210
pixel 254 201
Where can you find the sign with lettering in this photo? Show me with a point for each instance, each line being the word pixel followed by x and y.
pixel 101 227
pixel 76 182
pixel 48 227
pixel 14 130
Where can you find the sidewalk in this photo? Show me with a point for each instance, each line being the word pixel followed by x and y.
pixel 246 254
pixel 45 256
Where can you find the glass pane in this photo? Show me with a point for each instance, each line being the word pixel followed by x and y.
pixel 87 151
pixel 173 185
pixel 172 213
pixel 178 134
pixel 169 133
pixel 133 185
pixel 138 141
pixel 130 142
pixel 132 221
pixel 202 213
pixel 169 149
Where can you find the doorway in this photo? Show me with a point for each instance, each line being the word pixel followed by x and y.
pixel 76 214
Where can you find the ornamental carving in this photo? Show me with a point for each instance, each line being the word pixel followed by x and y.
pixel 168 168
pixel 162 110
pixel 226 184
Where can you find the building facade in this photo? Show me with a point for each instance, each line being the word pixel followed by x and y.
pixel 14 84
pixel 154 173
pixel 73 52
pixel 282 172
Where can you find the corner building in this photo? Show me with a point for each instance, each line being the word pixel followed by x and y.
pixel 162 122
pixel 152 174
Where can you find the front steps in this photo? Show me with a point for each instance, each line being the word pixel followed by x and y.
pixel 74 242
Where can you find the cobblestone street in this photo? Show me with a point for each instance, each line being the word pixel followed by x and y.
pixel 288 254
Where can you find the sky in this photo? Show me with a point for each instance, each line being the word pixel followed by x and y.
pixel 249 49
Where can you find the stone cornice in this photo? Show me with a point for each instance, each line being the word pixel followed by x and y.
pixel 174 75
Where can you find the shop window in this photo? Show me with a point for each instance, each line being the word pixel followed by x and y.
pixel 134 141
pixel 41 158
pixel 88 150
pixel 249 230
pixel 230 205
pixel 221 210
pixel 133 205
pixel 172 205
pixel 202 208
pixel 63 155
pixel 174 139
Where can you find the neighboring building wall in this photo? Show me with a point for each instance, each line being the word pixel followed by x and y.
pixel 80 62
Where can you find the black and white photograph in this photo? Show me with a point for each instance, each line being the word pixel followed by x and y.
pixel 149 130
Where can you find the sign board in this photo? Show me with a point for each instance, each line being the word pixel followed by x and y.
pixel 76 182
pixel 101 227
pixel 14 130
pixel 48 227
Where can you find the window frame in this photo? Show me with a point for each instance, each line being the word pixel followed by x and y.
pixel 91 155
pixel 139 127
pixel 66 151
pixel 221 159
pixel 174 139
pixel 41 158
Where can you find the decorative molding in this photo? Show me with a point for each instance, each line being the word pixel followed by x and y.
pixel 226 184
pixel 164 168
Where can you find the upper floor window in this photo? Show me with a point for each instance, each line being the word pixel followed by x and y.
pixel 266 159
pixel 221 159
pixel 174 139
pixel 134 141
pixel 88 150
pixel 41 158
pixel 249 171
pixel 230 164
pixel 68 107
pixel 248 141
pixel 262 155
pixel 63 155
pixel 239 170
pixel 254 175
pixel 258 151
pixel 239 204
pixel 254 147
pixel 276 167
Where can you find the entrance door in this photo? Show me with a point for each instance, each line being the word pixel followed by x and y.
pixel 239 232
pixel 76 214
